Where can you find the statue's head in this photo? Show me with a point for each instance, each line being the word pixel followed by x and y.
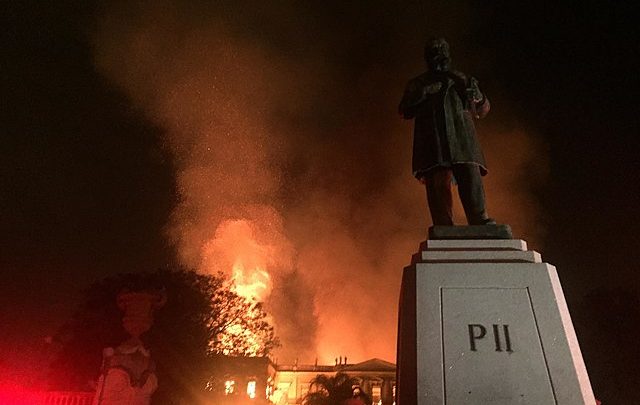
pixel 436 54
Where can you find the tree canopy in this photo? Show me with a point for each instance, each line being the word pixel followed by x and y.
pixel 336 390
pixel 203 316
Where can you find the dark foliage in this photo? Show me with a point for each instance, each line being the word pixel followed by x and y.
pixel 325 390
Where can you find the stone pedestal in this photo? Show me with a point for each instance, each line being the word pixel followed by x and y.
pixel 484 321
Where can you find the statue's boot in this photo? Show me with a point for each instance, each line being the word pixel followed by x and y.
pixel 471 193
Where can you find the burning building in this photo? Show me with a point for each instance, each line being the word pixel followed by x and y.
pixel 262 381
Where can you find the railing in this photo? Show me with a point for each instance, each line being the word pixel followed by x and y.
pixel 66 398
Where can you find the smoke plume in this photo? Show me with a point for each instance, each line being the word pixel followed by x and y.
pixel 292 167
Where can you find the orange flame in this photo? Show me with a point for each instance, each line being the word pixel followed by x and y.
pixel 236 331
pixel 236 252
pixel 253 284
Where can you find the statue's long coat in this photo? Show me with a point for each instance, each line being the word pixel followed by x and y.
pixel 444 133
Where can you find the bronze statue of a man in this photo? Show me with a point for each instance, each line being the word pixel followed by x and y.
pixel 444 103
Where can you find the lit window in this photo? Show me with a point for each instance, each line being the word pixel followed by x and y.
pixel 376 396
pixel 251 389
pixel 229 386
pixel 394 394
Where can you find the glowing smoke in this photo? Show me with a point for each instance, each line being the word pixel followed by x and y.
pixel 303 197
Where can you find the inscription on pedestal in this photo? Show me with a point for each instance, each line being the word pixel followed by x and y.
pixel 478 331
pixel 492 352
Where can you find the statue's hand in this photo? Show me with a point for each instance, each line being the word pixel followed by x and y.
pixel 473 91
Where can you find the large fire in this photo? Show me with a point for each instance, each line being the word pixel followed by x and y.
pixel 235 251
pixel 253 283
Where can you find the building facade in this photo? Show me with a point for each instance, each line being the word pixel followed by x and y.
pixel 377 378
pixel 260 380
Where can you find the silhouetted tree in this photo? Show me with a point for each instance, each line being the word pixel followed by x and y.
pixel 203 316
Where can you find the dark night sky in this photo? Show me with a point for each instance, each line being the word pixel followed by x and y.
pixel 85 190
pixel 86 187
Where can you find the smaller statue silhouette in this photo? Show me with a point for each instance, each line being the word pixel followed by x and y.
pixel 444 103
pixel 128 372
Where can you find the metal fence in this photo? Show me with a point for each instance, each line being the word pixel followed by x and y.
pixel 66 398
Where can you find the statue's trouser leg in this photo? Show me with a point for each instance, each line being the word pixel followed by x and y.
pixel 471 192
pixel 438 182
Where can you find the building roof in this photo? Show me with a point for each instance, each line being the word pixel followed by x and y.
pixel 374 364
pixel 305 367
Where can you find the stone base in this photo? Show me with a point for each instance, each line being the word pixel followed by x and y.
pixel 486 322
pixel 470 232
